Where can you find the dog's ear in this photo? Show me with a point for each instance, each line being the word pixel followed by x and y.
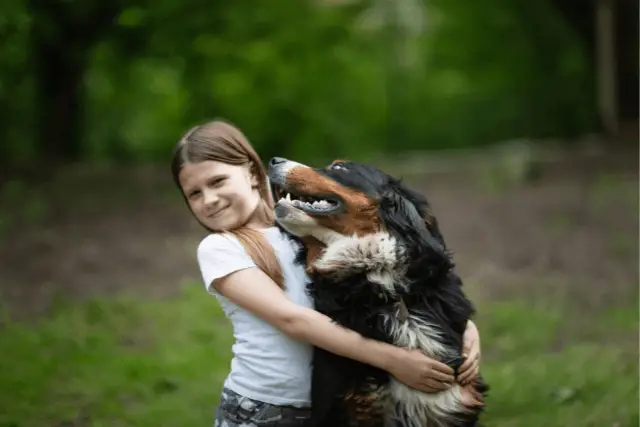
pixel 432 224
pixel 420 203
pixel 422 206
pixel 401 218
pixel 403 221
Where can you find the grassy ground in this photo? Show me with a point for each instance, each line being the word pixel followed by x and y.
pixel 128 362
pixel 551 264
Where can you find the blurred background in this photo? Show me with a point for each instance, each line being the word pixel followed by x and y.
pixel 518 120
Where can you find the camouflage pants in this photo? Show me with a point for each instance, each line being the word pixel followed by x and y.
pixel 238 411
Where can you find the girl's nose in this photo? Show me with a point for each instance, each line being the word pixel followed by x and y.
pixel 210 198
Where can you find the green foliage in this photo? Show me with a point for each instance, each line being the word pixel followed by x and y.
pixel 129 362
pixel 16 85
pixel 314 82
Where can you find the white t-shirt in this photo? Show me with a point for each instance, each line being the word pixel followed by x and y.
pixel 267 365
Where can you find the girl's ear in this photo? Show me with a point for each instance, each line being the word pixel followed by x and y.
pixel 253 175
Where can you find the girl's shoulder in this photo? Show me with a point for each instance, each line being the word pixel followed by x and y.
pixel 218 241
pixel 226 245
pixel 220 247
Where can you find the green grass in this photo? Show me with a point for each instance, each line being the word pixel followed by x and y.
pixel 161 363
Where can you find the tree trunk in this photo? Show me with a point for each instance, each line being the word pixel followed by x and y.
pixel 59 96
pixel 606 66
pixel 580 16
pixel 61 43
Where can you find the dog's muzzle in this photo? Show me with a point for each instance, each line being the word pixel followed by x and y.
pixel 278 169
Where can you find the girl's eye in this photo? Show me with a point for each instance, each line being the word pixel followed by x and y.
pixel 193 194
pixel 218 182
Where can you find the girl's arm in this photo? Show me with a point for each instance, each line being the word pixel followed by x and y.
pixel 254 291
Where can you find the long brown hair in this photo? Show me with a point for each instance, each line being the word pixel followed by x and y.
pixel 222 142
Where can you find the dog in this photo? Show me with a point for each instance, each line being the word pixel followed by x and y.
pixel 378 265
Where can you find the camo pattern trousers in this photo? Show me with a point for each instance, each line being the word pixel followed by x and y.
pixel 238 411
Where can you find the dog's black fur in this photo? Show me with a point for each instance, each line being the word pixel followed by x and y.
pixel 359 304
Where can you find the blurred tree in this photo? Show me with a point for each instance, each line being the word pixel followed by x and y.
pixel 116 81
pixel 62 36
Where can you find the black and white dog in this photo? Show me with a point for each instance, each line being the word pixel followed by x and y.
pixel 378 265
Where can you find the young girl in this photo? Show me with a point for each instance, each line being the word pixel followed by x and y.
pixel 249 266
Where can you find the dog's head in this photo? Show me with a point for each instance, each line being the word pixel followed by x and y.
pixel 347 202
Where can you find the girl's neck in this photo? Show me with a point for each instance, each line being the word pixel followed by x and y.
pixel 258 226
pixel 257 223
pixel 258 220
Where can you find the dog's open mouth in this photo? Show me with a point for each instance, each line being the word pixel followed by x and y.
pixel 317 205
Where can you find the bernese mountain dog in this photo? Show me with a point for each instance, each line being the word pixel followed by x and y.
pixel 378 265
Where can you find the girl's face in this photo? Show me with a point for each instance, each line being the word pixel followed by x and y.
pixel 220 195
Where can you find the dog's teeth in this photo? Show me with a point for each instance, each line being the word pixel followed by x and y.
pixel 321 205
pixel 318 205
pixel 309 203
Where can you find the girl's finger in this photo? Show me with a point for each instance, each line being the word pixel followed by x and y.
pixel 439 376
pixel 441 367
pixel 465 378
pixel 464 374
pixel 474 375
pixel 427 389
pixel 437 385
pixel 466 367
pixel 469 359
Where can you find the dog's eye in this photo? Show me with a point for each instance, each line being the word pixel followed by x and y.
pixel 339 166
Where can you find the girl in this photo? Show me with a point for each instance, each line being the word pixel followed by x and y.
pixel 249 266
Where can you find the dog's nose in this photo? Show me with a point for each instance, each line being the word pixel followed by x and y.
pixel 276 161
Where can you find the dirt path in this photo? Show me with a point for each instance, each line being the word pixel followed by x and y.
pixel 574 232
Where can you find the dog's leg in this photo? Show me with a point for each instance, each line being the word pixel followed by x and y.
pixel 470 397
pixel 368 408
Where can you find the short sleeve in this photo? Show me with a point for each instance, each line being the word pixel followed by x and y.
pixel 220 255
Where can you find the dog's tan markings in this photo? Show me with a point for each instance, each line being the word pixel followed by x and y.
pixel 403 311
pixel 314 250
pixel 470 397
pixel 358 219
pixel 307 180
pixel 367 409
pixel 361 213
pixel 429 218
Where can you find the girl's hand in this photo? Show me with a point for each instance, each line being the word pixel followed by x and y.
pixel 418 371
pixel 468 371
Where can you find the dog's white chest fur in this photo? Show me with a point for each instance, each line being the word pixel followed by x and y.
pixel 419 409
pixel 382 260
